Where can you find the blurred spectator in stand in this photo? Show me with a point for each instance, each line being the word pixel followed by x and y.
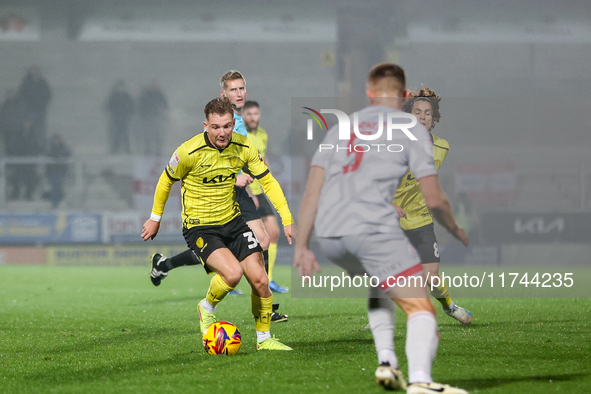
pixel 56 171
pixel 12 120
pixel 36 94
pixel 23 176
pixel 153 115
pixel 12 117
pixel 119 106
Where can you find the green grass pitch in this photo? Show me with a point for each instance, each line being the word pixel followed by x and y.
pixel 108 330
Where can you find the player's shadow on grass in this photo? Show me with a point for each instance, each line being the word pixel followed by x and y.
pixel 54 375
pixel 122 336
pixel 324 316
pixel 58 365
pixel 333 346
pixel 173 300
pixel 487 383
pixel 501 323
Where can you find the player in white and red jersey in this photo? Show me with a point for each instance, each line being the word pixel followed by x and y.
pixel 348 200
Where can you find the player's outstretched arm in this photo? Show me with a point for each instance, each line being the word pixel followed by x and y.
pixel 290 232
pixel 256 166
pixel 438 204
pixel 304 258
pixel 150 229
pixel 273 190
pixel 152 225
pixel 306 263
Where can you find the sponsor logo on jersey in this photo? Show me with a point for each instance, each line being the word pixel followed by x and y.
pixel 219 178
pixel 174 160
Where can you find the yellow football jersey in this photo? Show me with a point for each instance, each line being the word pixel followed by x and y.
pixel 259 140
pixel 408 195
pixel 208 176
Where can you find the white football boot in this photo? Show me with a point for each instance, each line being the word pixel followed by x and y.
pixel 432 388
pixel 390 378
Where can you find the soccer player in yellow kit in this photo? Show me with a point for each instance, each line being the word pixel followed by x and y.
pixel 258 136
pixel 415 218
pixel 213 227
pixel 233 85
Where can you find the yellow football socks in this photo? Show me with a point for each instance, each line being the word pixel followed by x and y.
pixel 272 258
pixel 217 290
pixel 441 293
pixel 262 308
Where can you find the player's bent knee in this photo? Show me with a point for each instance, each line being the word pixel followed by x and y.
pixel 260 283
pixel 273 234
pixel 273 238
pixel 232 276
pixel 264 241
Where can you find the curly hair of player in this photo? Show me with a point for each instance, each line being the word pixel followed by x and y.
pixel 430 95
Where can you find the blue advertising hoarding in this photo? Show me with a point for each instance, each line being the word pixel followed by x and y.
pixel 45 229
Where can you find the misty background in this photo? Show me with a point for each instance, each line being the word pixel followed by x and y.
pixel 514 78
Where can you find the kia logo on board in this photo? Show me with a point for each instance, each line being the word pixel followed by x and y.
pixel 537 225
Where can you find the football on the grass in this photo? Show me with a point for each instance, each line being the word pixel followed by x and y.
pixel 222 337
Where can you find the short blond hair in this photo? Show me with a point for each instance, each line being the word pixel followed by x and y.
pixel 387 77
pixel 231 75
